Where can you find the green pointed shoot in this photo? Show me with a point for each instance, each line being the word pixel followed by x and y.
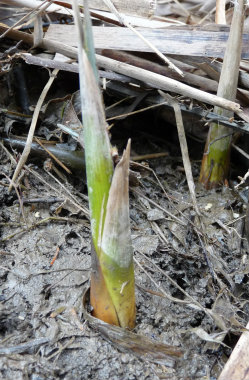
pixel 216 157
pixel 112 292
pixel 116 257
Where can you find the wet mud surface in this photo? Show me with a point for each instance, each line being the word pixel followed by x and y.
pixel 191 276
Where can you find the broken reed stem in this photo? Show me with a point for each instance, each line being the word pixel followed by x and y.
pixel 189 78
pixel 164 83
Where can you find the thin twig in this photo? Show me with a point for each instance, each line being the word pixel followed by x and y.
pixel 70 198
pixel 23 347
pixel 168 296
pixel 149 156
pixel 241 151
pixel 31 227
pixel 174 283
pixel 242 180
pixel 19 198
pixel 184 147
pixel 217 139
pixel 60 349
pixel 137 111
pixel 140 194
pixel 122 20
pixel 33 11
pixel 27 148
pixel 189 175
pixel 53 156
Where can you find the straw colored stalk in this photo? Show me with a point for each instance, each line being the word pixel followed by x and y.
pixel 216 158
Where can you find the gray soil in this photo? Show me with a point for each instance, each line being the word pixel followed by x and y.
pixel 43 334
pixel 191 274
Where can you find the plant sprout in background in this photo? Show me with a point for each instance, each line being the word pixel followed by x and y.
pixel 216 157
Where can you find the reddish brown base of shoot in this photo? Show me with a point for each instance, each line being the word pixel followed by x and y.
pixel 103 306
pixel 100 299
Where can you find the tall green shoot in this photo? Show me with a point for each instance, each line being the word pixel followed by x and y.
pixel 112 291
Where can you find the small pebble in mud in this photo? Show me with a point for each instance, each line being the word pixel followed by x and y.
pixel 125 358
pixel 155 214
pixel 236 215
pixel 208 206
pixel 238 278
pixel 145 244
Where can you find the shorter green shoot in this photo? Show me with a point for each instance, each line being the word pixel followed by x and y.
pixel 216 157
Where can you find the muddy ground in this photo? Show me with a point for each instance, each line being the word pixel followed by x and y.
pixel 191 276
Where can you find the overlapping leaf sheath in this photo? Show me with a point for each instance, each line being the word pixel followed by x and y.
pixel 116 257
pixel 113 270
